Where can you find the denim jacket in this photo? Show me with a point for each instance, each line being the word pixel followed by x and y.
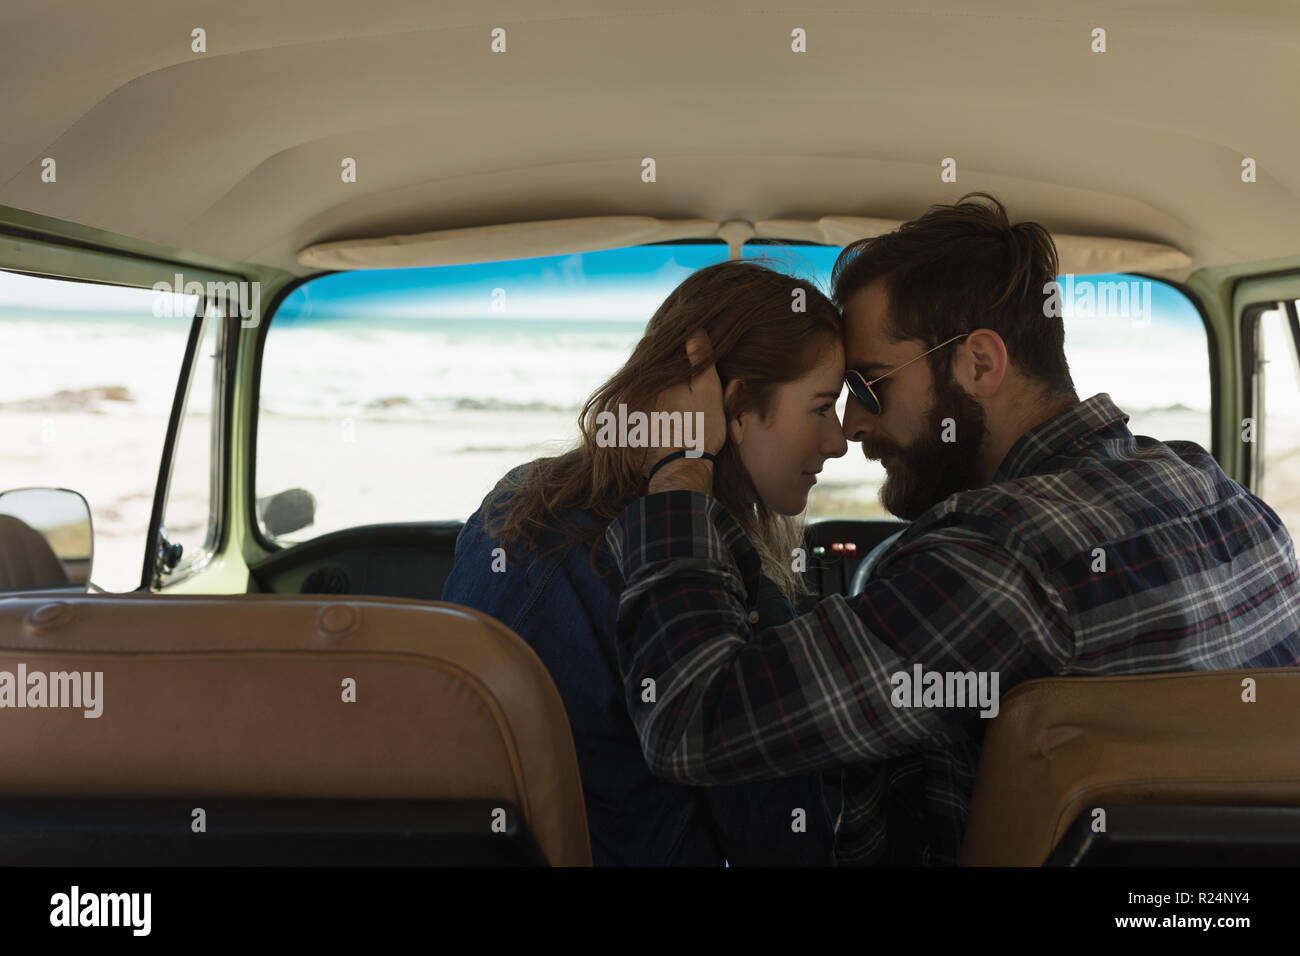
pixel 567 612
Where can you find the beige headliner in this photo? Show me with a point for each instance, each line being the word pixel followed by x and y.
pixel 1078 254
pixel 236 152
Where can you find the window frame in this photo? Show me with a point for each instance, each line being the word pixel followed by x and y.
pixel 268 546
pixel 1250 328
pixel 219 444
pixel 272 547
pixel 35 255
pixel 255 412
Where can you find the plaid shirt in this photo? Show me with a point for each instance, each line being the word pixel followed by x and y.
pixel 1199 574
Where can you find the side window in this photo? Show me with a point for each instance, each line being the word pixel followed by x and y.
pixel 1276 457
pixel 87 378
pixel 405 394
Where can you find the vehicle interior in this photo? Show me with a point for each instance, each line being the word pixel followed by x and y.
pixel 242 505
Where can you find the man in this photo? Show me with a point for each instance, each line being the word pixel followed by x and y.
pixel 1045 540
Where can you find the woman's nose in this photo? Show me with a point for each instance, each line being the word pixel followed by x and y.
pixel 835 446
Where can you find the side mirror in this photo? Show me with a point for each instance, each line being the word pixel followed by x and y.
pixel 46 540
pixel 288 511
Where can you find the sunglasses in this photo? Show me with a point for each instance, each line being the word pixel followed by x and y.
pixel 857 382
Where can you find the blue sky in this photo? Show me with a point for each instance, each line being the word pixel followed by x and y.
pixel 619 284
pixel 627 284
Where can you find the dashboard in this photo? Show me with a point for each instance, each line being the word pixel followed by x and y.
pixel 412 559
pixel 407 560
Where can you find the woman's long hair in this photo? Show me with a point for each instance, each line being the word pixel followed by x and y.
pixel 766 328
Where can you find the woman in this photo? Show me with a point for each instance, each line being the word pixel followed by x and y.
pixel 777 344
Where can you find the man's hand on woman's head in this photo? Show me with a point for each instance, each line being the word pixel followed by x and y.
pixel 699 399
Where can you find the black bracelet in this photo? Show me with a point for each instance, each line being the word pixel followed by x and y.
pixel 673 457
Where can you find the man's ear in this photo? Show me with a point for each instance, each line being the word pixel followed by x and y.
pixel 735 427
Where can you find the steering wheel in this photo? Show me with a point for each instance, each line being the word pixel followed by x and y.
pixel 864 569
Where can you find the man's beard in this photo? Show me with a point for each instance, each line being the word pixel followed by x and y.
pixel 931 469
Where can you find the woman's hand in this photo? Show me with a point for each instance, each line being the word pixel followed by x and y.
pixel 700 402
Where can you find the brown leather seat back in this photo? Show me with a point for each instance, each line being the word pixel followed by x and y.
pixel 26 558
pixel 1060 746
pixel 245 697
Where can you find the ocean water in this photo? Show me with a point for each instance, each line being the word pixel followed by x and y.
pixel 42 353
pixel 415 370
